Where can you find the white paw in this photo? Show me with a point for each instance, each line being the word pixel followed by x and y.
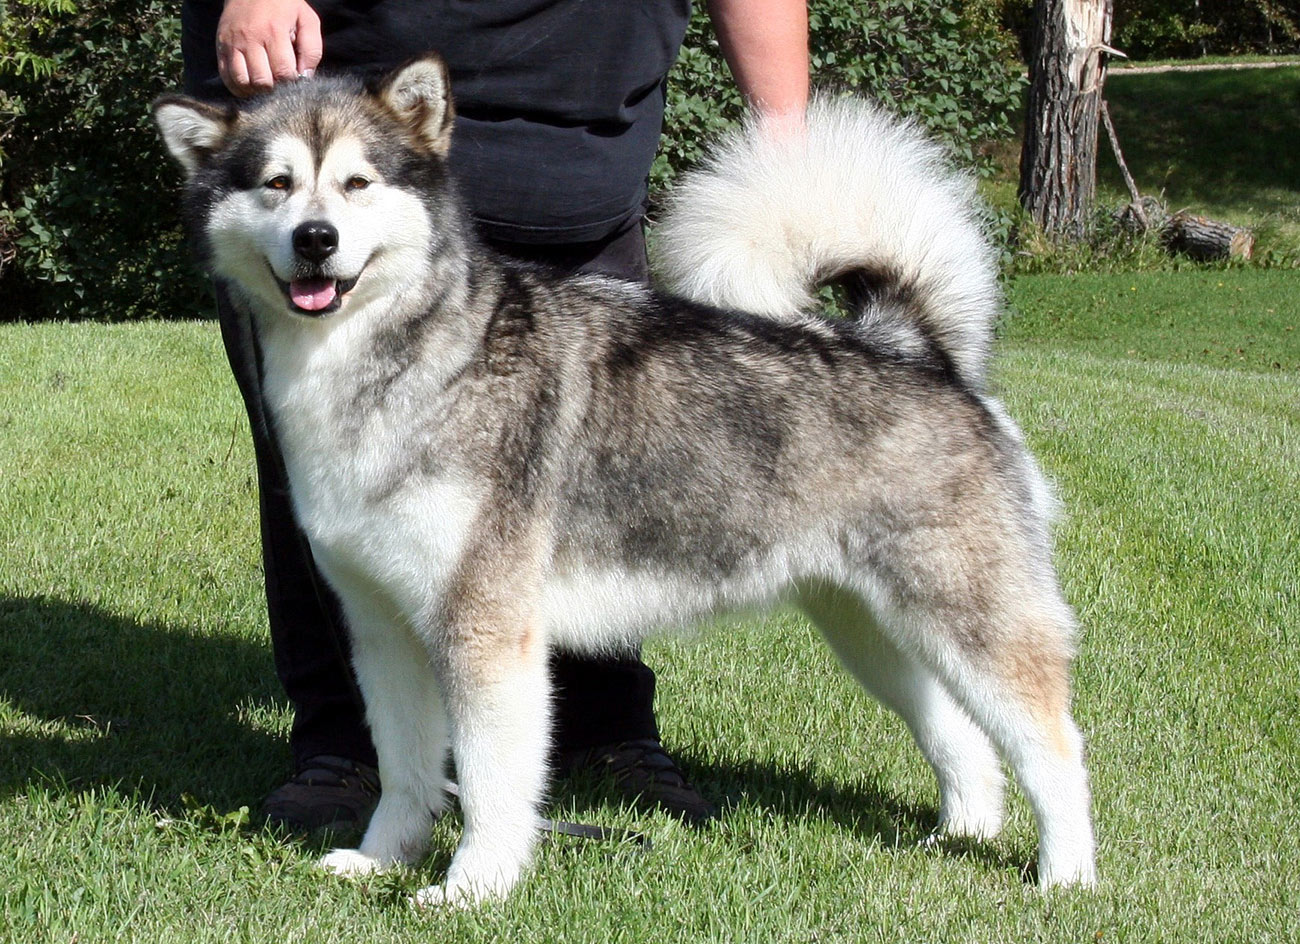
pixel 971 826
pixel 972 813
pixel 350 862
pixel 1081 875
pixel 932 841
pixel 461 891
pixel 446 896
pixel 979 830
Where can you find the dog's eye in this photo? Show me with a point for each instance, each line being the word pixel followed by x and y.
pixel 356 182
pixel 278 182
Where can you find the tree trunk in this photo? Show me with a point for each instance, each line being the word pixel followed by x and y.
pixel 1058 163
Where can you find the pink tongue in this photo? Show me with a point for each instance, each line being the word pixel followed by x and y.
pixel 312 294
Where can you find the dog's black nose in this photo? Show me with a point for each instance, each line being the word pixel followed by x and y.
pixel 315 240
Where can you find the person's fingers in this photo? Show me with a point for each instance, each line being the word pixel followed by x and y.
pixel 257 43
pixel 308 43
pixel 282 59
pixel 261 77
pixel 234 72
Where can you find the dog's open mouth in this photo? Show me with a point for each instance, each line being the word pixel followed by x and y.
pixel 318 296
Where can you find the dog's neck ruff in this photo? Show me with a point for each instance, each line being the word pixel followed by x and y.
pixel 325 369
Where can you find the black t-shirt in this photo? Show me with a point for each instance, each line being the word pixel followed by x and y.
pixel 559 102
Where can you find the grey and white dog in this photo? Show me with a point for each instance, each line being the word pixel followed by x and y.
pixel 491 460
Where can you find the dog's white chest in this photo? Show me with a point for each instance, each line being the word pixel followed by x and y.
pixel 361 495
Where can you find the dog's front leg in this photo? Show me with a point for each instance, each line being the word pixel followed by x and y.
pixel 404 707
pixel 498 702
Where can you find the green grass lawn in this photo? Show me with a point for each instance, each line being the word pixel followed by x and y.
pixel 139 713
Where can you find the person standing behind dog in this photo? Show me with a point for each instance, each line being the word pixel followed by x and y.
pixel 559 110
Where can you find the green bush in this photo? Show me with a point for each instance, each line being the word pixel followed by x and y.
pixel 88 199
pixel 1173 35
pixel 944 62
pixel 88 222
pixel 1164 29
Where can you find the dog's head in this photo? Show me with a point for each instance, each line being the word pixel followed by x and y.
pixel 322 195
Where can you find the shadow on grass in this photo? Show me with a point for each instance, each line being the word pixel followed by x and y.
pixel 151 710
pixel 155 711
pixel 788 793
pixel 867 808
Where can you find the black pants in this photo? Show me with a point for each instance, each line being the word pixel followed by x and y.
pixel 598 701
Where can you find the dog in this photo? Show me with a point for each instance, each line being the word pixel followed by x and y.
pixel 490 460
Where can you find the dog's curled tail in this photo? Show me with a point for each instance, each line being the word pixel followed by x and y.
pixel 859 197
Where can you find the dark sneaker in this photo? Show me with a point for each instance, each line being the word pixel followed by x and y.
pixel 326 793
pixel 642 772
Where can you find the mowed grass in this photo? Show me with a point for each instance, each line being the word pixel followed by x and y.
pixel 139 712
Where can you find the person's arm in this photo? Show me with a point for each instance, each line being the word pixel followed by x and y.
pixel 261 42
pixel 765 43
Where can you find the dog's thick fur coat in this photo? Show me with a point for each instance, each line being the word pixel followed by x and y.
pixel 490 460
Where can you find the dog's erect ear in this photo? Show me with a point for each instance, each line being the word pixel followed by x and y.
pixel 419 93
pixel 192 130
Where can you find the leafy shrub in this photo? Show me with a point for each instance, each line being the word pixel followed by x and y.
pixel 1174 35
pixel 1163 29
pixel 18 28
pixel 944 62
pixel 88 199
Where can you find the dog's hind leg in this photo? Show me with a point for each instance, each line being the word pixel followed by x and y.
pixel 989 622
pixel 964 762
pixel 409 730
pixel 1022 704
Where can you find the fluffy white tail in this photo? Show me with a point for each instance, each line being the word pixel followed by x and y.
pixel 862 197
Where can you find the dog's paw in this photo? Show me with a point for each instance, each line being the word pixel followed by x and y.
pixel 976 817
pixel 980 828
pixel 447 896
pixel 459 891
pixel 350 862
pixel 933 841
pixel 954 832
pixel 1081 875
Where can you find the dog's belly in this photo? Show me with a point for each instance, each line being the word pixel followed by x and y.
pixel 406 546
pixel 593 608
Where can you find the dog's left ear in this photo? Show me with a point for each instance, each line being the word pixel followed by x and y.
pixel 419 93
pixel 192 130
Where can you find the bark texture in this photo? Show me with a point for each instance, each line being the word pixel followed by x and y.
pixel 1207 240
pixel 1058 164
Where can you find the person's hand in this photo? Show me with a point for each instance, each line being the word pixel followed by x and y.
pixel 261 42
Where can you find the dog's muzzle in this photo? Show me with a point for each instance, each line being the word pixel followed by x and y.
pixel 314 241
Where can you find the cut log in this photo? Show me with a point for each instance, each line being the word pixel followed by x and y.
pixel 1207 240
